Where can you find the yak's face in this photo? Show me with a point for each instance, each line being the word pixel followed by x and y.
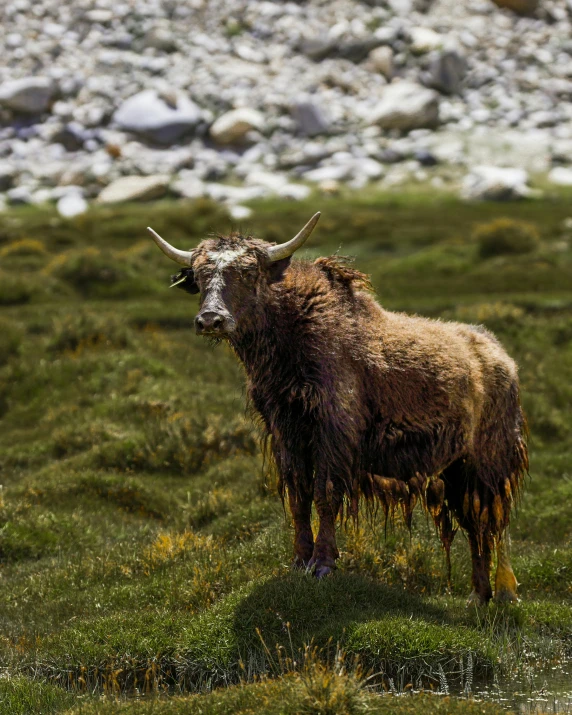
pixel 228 274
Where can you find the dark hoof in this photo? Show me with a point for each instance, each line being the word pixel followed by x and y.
pixel 300 565
pixel 322 571
pixel 475 599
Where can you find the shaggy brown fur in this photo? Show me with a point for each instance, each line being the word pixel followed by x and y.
pixel 362 402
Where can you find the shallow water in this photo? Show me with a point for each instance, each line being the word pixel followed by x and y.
pixel 533 691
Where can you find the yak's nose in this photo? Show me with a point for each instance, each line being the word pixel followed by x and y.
pixel 209 322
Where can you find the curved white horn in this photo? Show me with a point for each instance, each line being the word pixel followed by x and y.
pixel 284 250
pixel 182 257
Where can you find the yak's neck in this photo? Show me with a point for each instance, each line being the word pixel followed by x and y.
pixel 274 342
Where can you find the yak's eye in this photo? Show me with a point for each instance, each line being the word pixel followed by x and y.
pixel 248 275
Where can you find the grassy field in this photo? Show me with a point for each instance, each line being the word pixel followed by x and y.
pixel 143 549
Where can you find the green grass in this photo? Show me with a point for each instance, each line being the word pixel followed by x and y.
pixel 143 547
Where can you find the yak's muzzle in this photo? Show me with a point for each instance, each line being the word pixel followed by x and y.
pixel 210 322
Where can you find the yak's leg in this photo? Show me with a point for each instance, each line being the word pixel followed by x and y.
pixel 325 549
pixel 505 581
pixel 301 509
pixel 465 502
pixel 296 477
pixel 481 579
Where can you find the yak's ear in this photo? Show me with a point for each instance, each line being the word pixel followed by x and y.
pixel 185 280
pixel 276 269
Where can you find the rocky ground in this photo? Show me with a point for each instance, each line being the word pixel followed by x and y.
pixel 113 100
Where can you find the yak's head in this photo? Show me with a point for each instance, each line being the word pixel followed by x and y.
pixel 228 272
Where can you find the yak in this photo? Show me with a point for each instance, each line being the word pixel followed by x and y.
pixel 362 403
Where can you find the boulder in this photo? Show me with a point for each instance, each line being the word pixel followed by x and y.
pixel 31 95
pixel 447 72
pixel 135 188
pixel 521 7
pixel 232 127
pixel 158 117
pixel 405 105
pixel 493 183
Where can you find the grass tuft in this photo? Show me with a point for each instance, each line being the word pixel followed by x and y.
pixel 505 236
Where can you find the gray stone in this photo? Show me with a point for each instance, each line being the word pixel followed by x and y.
pixel 405 106
pixel 135 188
pixel 161 39
pixel 309 118
pixel 72 136
pixel 232 127
pixel 319 48
pixel 425 158
pixel 31 95
pixel 389 156
pixel 447 72
pixel 160 118
pixel 357 50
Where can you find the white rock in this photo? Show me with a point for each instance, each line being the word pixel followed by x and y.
pixel 72 204
pixel 405 105
pixel 189 186
pixel 234 194
pixel 370 168
pixel 296 192
pixel 134 188
pixel 161 118
pixel 423 40
pixel 329 173
pixel 561 175
pixel 239 213
pixel 381 59
pixel 31 95
pixel 494 183
pixel 270 180
pixel 233 126
pixel 100 16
